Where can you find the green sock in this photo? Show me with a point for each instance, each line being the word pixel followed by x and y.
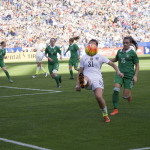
pixel 71 73
pixel 57 79
pixel 43 69
pixel 7 74
pixel 115 99
pixel 37 70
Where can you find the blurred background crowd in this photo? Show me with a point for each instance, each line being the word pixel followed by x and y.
pixel 108 21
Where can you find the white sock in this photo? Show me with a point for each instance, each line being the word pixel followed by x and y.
pixel 104 111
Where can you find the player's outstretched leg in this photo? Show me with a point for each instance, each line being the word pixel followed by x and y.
pixel 42 68
pixel 37 72
pixel 98 94
pixel 7 75
pixel 115 99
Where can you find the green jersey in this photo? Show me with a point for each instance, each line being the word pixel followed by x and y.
pixel 52 53
pixel 2 53
pixel 126 61
pixel 74 51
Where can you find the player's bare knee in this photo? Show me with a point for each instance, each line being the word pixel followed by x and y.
pixel 99 97
pixel 116 90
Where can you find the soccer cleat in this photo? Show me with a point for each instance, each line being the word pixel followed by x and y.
pixel 106 118
pixel 60 79
pixel 71 78
pixel 114 112
pixel 130 98
pixel 34 76
pixel 45 74
pixel 58 87
pixel 11 81
pixel 81 80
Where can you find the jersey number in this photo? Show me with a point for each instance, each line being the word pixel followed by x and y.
pixel 90 64
pixel 123 60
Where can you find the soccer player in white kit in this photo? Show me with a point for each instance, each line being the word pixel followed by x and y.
pixel 90 77
pixel 39 48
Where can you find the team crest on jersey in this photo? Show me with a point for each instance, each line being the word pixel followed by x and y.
pixel 54 50
pixel 127 55
pixel 91 58
pixel 97 58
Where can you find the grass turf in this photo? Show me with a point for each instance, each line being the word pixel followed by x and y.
pixel 72 120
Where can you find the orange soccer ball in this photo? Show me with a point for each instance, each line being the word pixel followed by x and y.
pixel 91 50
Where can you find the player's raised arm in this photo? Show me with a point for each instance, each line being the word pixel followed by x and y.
pixel 66 51
pixel 116 68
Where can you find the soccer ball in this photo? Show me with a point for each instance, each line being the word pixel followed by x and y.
pixel 91 50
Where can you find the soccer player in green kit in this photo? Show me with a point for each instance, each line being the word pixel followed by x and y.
pixel 2 56
pixel 74 58
pixel 126 58
pixel 53 63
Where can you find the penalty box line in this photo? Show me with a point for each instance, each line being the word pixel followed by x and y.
pixel 29 89
pixel 144 148
pixel 30 94
pixel 23 144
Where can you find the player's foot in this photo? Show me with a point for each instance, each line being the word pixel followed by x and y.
pixel 130 98
pixel 34 76
pixel 106 118
pixel 58 87
pixel 114 112
pixel 45 74
pixel 71 78
pixel 11 81
pixel 60 79
pixel 81 80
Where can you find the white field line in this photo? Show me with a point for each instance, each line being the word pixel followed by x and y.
pixel 23 144
pixel 30 94
pixel 146 148
pixel 29 89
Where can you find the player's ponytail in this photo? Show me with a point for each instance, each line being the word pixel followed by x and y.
pixel 132 41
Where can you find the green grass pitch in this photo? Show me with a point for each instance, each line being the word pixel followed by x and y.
pixel 71 120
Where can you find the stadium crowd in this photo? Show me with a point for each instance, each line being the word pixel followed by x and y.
pixel 21 21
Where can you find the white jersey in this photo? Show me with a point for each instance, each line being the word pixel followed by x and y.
pixel 39 47
pixel 92 65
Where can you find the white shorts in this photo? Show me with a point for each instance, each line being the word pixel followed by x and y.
pixel 96 82
pixel 39 58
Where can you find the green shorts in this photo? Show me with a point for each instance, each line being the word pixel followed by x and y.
pixel 2 64
pixel 55 66
pixel 73 62
pixel 127 82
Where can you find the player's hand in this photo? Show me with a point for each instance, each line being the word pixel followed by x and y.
pixel 51 60
pixel 135 79
pixel 120 74
pixel 78 88
pixel 5 57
